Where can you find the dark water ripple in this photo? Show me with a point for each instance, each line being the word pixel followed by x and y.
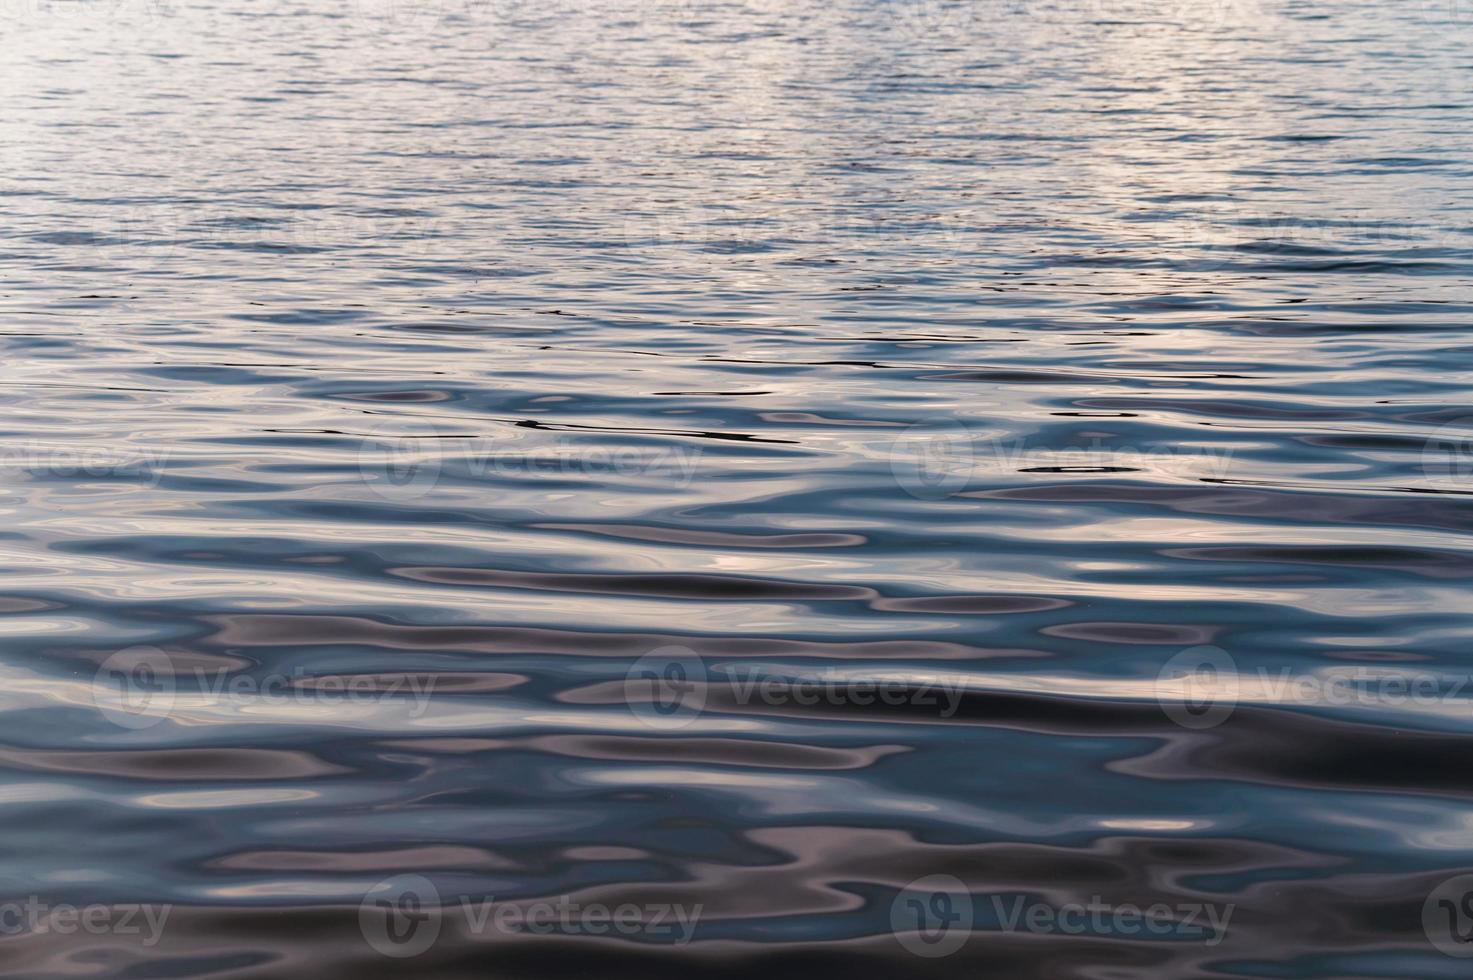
pixel 1025 443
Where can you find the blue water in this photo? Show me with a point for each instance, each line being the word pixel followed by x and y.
pixel 832 472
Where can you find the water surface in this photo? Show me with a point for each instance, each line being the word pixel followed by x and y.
pixel 423 423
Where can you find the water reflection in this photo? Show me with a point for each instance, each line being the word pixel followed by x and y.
pixel 847 474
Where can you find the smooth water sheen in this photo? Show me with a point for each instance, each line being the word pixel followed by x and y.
pixel 384 380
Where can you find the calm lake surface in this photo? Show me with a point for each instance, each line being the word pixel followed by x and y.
pixel 684 489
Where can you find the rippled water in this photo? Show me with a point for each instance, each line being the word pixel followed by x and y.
pixel 832 474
